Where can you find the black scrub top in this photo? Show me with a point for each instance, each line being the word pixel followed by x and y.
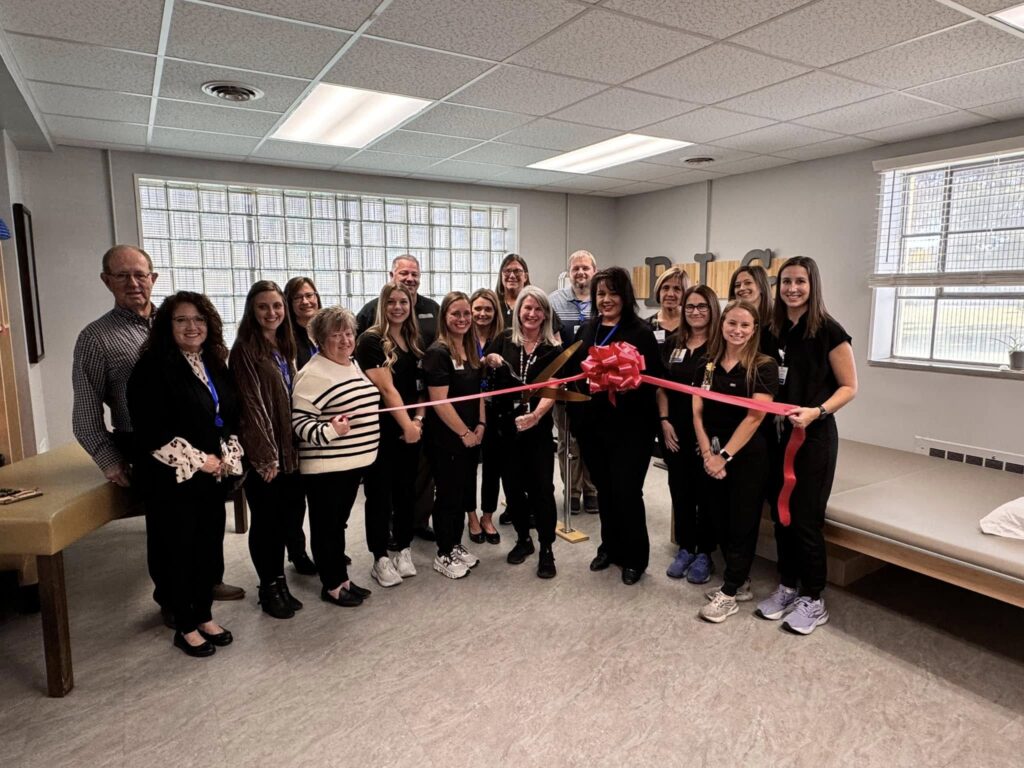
pixel 721 419
pixel 439 371
pixel 405 373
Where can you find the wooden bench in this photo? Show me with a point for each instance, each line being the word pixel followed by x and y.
pixel 76 501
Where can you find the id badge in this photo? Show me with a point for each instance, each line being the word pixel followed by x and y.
pixel 678 355
pixel 458 366
pixel 575 330
pixel 659 335
pixel 783 372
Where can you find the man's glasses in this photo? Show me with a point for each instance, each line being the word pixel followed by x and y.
pixel 125 277
pixel 697 309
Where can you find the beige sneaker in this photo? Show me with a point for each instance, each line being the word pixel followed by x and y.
pixel 719 609
pixel 403 563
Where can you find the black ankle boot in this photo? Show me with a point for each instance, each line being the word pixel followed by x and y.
pixel 546 563
pixel 293 602
pixel 274 603
pixel 522 550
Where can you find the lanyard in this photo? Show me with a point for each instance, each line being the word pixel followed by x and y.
pixel 613 330
pixel 282 365
pixel 578 303
pixel 217 420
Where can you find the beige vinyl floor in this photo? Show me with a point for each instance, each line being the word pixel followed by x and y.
pixel 502 668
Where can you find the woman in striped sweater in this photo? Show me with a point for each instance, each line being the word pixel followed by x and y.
pixel 334 415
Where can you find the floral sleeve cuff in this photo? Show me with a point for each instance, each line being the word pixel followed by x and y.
pixel 231 455
pixel 180 455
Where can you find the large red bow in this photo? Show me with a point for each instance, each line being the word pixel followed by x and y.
pixel 614 368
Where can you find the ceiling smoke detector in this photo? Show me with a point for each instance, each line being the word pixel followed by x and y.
pixel 233 92
pixel 699 160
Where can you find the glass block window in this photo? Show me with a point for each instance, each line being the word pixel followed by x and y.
pixel 949 263
pixel 219 239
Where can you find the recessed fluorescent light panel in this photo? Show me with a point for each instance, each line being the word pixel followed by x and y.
pixel 622 149
pixel 347 117
pixel 1012 16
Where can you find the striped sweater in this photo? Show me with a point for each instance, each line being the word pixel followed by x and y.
pixel 324 389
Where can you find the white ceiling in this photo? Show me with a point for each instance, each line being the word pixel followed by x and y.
pixel 754 83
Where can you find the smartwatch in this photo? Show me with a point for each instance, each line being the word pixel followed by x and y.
pixel 824 411
pixel 725 455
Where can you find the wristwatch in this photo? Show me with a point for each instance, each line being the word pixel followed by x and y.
pixel 725 455
pixel 824 411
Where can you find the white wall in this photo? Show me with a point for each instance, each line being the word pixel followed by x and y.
pixel 826 209
pixel 69 193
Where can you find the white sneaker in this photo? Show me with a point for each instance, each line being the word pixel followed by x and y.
pixel 743 594
pixel 719 609
pixel 450 566
pixel 385 573
pixel 468 558
pixel 403 563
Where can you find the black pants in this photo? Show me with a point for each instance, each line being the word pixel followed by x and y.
pixel 735 503
pixel 801 544
pixel 527 464
pixel 185 527
pixel 331 496
pixel 451 467
pixel 490 468
pixel 693 527
pixel 274 507
pixel 617 461
pixel 391 495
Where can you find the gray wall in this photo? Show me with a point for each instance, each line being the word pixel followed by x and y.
pixel 76 196
pixel 826 209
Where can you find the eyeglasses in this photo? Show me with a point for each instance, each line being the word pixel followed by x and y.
pixel 513 272
pixel 697 309
pixel 184 321
pixel 124 277
pixel 304 296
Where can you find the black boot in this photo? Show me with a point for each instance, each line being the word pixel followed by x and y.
pixel 302 564
pixel 546 564
pixel 289 598
pixel 522 550
pixel 274 603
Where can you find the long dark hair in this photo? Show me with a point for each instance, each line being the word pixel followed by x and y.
pixel 291 290
pixel 816 312
pixel 750 356
pixel 250 333
pixel 760 276
pixel 684 331
pixel 161 335
pixel 616 280
pixel 500 288
pixel 410 330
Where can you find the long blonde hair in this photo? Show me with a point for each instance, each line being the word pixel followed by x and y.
pixel 468 351
pixel 750 356
pixel 410 330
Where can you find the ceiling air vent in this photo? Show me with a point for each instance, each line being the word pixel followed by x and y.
pixel 233 92
pixel 699 160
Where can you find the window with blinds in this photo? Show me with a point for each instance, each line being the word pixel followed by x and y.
pixel 949 266
pixel 219 239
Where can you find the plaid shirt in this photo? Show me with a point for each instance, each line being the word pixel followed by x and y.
pixel 105 354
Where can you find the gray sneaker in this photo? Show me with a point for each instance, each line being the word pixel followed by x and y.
pixel 777 604
pixel 719 609
pixel 806 615
pixel 743 594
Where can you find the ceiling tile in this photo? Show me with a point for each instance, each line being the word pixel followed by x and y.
pixel 715 73
pixel 535 177
pixel 184 80
pixel 87 102
pixel 802 95
pixel 977 88
pixel 833 30
pixel 623 109
pixel 460 169
pixel 751 164
pixel 587 183
pixel 775 137
pixel 347 15
pixel 72 64
pixel 220 36
pixel 299 152
pixel 1003 110
pixel 638 171
pixel 426 144
pixel 607 47
pixel 828 148
pixel 378 65
pixel 708 17
pixel 944 54
pixel 640 188
pixel 469 122
pixel 987 6
pixel 705 124
pixel 499 153
pixel 881 112
pixel 98 131
pixel 525 90
pixel 206 143
pixel 214 119
pixel 677 157
pixel 688 177
pixel 954 121
pixel 383 161
pixel 554 134
pixel 492 29
pixel 133 26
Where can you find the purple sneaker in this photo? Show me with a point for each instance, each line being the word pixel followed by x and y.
pixel 700 569
pixel 777 604
pixel 806 615
pixel 680 565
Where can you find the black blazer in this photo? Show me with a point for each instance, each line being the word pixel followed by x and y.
pixel 167 400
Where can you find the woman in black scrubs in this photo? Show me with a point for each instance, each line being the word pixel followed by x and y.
pixel 685 350
pixel 488 323
pixel 818 372
pixel 751 284
pixel 617 440
pixel 668 292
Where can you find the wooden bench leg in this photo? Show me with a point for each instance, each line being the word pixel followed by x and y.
pixel 241 511
pixel 53 599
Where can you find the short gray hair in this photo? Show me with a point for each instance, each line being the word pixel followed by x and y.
pixel 404 257
pixel 547 333
pixel 331 320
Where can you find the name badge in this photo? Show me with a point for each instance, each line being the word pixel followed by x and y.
pixel 575 329
pixel 678 355
pixel 659 335
pixel 419 385
pixel 783 372
pixel 457 365
pixel 425 316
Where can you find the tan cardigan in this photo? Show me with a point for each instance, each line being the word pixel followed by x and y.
pixel 265 429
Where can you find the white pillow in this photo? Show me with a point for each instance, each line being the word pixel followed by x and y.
pixel 1007 520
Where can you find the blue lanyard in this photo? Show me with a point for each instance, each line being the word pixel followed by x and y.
pixel 579 308
pixel 480 350
pixel 217 420
pixel 613 330
pixel 282 365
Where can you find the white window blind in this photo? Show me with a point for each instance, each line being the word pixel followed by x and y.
pixel 949 265
pixel 219 239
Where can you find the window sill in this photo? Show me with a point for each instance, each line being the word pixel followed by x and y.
pixel 962 369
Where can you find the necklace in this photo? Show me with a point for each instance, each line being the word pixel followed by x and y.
pixel 525 361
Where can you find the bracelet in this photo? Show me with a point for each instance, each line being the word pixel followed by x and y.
pixel 663 418
pixel 418 418
pixel 464 434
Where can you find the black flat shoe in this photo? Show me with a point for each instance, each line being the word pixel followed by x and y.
pixel 345 598
pixel 303 565
pixel 631 576
pixel 293 602
pixel 274 603
pixel 220 640
pixel 355 589
pixel 601 562
pixel 198 651
pixel 477 538
pixel 492 538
